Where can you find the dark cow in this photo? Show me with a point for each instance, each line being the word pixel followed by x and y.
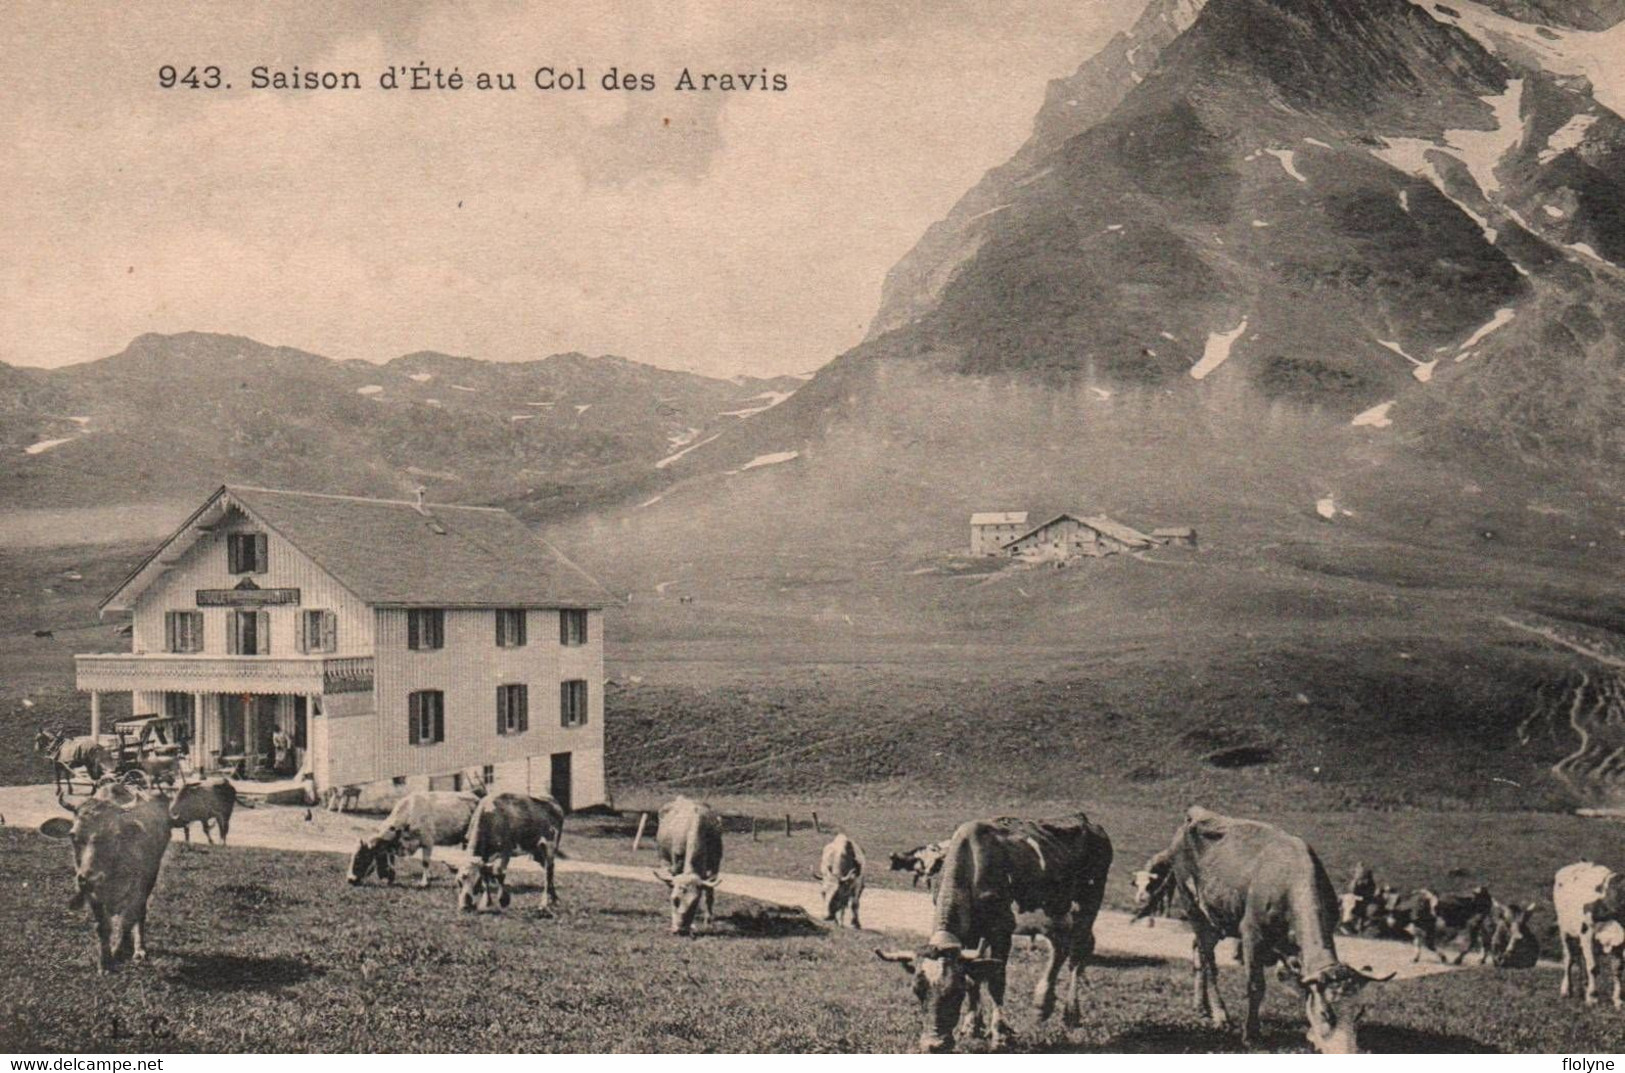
pixel 210 801
pixel 1512 941
pixel 419 822
pixel 922 862
pixel 840 880
pixel 1430 920
pixel 502 825
pixel 117 850
pixel 995 868
pixel 690 845
pixel 1254 882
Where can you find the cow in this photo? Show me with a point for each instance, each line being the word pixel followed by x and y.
pixel 922 862
pixel 212 800
pixel 1512 942
pixel 690 844
pixel 840 880
pixel 1590 901
pixel 67 753
pixel 1055 869
pixel 1357 905
pixel 502 825
pixel 1253 882
pixel 1430 919
pixel 117 851
pixel 419 822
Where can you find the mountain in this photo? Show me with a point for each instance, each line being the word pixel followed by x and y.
pixel 171 417
pixel 1336 282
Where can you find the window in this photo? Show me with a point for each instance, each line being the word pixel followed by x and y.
pixel 180 706
pixel 183 631
pixel 572 628
pixel 573 703
pixel 398 780
pixel 426 717
pixel 513 709
pixel 425 628
pixel 248 633
pixel 246 553
pixel 511 628
pixel 489 774
pixel 318 631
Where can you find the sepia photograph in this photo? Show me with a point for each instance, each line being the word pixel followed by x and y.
pixel 1008 527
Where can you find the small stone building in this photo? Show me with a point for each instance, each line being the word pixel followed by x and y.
pixel 989 533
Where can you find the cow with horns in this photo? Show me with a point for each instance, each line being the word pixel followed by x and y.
pixel 993 869
pixel 1253 882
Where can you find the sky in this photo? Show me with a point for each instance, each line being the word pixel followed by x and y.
pixel 724 233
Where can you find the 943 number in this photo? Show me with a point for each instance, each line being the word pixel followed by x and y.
pixel 170 76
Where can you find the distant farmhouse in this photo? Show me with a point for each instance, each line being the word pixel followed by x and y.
pixel 343 641
pixel 1066 536
pixel 989 533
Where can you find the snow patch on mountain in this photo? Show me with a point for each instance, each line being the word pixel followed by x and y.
pixel 669 459
pixel 1502 318
pixel 1326 507
pixel 463 387
pixel 1422 370
pixel 774 459
pixel 1217 351
pixel 1483 150
pixel 1593 55
pixel 1376 417
pixel 370 389
pixel 773 399
pixel 1587 250
pixel 422 378
pixel 1569 136
pixel 1289 163
pixel 45 445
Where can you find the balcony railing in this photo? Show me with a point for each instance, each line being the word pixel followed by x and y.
pixel 194 673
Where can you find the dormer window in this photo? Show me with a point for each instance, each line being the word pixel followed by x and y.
pixel 246 553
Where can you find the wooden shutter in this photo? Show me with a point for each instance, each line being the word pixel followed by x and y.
pixel 412 629
pixel 261 553
pixel 502 698
pixel 234 633
pixel 301 640
pixel 330 631
pixel 502 630
pixel 262 633
pixel 439 717
pixel 414 706
pixel 581 702
pixel 522 698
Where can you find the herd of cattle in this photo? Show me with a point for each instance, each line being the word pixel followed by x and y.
pixel 991 881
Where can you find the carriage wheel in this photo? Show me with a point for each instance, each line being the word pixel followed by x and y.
pixel 137 778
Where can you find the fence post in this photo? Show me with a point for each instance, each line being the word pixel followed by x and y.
pixel 817 827
pixel 643 818
pixel 786 825
pixel 753 828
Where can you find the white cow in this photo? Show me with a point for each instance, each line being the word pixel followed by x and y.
pixel 1590 901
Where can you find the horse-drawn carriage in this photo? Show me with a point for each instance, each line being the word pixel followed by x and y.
pixel 147 750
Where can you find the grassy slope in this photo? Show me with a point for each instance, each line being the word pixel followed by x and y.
pixel 261 951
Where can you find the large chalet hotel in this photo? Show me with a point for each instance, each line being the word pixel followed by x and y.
pixel 345 642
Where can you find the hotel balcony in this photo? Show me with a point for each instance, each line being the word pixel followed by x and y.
pixel 196 673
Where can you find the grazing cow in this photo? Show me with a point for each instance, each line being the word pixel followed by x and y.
pixel 502 825
pixel 690 845
pixel 67 753
pixel 1512 942
pixel 1254 882
pixel 117 850
pixel 994 869
pixel 1430 919
pixel 924 862
pixel 1590 901
pixel 1357 905
pixel 212 800
pixel 419 822
pixel 840 879
pixel 342 798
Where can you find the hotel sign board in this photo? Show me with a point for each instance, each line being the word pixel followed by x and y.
pixel 247 594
